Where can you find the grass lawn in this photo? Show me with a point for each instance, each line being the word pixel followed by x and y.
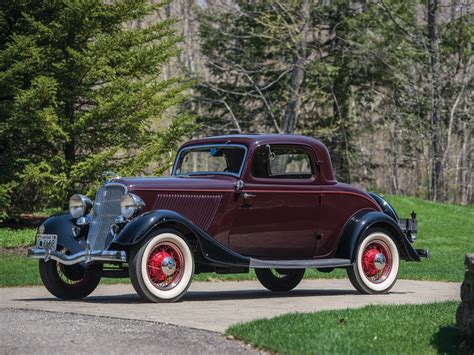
pixel 402 329
pixel 446 230
pixel 12 238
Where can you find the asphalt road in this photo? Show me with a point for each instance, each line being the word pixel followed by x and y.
pixel 40 332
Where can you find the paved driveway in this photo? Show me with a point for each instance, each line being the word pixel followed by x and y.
pixel 215 306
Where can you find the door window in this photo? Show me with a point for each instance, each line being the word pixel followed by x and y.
pixel 280 162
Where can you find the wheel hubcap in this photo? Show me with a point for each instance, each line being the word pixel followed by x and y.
pixel 380 261
pixel 376 261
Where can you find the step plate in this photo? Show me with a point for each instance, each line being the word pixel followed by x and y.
pixel 298 264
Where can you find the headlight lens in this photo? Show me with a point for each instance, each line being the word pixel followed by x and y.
pixel 131 205
pixel 79 205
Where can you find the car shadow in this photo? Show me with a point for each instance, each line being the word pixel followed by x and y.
pixel 204 296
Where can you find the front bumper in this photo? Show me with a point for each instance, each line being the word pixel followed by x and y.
pixel 86 256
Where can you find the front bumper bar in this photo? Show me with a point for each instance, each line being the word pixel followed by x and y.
pixel 86 256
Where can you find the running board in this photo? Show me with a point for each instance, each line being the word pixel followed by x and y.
pixel 298 264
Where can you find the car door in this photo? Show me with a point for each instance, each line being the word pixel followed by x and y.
pixel 275 213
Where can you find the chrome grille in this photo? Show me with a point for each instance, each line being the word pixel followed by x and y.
pixel 106 209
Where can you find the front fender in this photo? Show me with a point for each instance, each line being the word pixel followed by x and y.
pixel 61 225
pixel 140 228
pixel 360 223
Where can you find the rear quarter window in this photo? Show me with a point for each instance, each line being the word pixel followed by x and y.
pixel 280 162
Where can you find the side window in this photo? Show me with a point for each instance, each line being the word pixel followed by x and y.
pixel 280 162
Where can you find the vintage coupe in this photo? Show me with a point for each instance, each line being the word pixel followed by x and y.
pixel 268 202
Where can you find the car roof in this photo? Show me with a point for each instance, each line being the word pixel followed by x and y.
pixel 253 140
pixel 257 139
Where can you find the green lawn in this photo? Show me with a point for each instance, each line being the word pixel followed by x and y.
pixel 11 238
pixel 402 329
pixel 447 230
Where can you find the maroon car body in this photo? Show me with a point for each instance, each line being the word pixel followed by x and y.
pixel 287 217
pixel 283 219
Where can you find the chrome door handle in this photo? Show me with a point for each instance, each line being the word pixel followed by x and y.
pixel 246 195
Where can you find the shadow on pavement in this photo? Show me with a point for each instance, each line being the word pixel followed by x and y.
pixel 193 296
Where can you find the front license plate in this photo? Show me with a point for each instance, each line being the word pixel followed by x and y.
pixel 47 241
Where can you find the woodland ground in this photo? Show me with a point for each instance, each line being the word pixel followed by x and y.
pixel 446 230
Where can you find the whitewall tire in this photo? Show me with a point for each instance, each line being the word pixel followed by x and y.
pixel 376 264
pixel 162 268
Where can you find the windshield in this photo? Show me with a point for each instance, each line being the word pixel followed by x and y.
pixel 210 159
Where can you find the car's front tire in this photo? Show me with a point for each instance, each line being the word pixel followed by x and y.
pixel 375 268
pixel 68 282
pixel 161 269
pixel 280 279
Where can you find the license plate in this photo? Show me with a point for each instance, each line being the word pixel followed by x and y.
pixel 47 241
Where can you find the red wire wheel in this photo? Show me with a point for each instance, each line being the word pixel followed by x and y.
pixel 375 268
pixel 377 261
pixel 161 269
pixel 165 266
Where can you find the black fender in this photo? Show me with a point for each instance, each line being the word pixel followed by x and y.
pixel 360 223
pixel 140 228
pixel 61 224
pixel 385 206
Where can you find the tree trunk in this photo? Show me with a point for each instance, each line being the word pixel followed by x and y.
pixel 297 74
pixel 436 184
pixel 341 86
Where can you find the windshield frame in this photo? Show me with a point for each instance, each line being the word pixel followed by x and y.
pixel 198 146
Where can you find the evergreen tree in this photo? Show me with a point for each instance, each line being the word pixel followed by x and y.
pixel 80 93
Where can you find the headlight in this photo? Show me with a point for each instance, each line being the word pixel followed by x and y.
pixel 79 205
pixel 131 205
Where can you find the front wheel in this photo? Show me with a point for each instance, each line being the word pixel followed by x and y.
pixel 68 282
pixel 279 279
pixel 376 265
pixel 161 269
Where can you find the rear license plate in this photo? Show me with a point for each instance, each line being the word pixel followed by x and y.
pixel 47 241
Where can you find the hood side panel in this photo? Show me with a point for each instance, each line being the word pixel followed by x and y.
pixel 198 208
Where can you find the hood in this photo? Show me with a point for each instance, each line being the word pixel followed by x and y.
pixel 195 183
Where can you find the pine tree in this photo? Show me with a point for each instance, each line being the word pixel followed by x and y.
pixel 80 93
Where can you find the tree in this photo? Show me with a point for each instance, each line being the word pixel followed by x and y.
pixel 437 184
pixel 80 93
pixel 278 67
pixel 384 84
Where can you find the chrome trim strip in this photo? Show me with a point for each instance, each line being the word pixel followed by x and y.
pixel 192 147
pixel 86 256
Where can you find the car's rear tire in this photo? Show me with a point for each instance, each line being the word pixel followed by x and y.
pixel 280 280
pixel 68 282
pixel 376 264
pixel 161 269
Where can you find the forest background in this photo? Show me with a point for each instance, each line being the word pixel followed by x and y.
pixel 89 86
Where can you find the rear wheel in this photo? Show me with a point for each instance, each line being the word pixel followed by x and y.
pixel 67 282
pixel 375 269
pixel 161 269
pixel 279 279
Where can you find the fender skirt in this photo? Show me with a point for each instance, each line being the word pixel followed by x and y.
pixel 361 222
pixel 140 228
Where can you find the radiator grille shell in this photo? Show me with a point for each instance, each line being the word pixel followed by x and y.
pixel 106 209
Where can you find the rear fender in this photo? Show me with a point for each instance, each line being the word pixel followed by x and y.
pixel 361 222
pixel 142 227
pixel 61 225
